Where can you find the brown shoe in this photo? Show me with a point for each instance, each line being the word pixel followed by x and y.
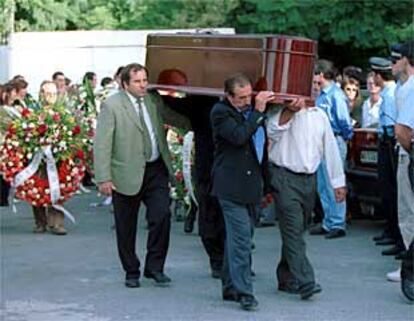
pixel 39 229
pixel 58 219
pixel 58 230
pixel 39 214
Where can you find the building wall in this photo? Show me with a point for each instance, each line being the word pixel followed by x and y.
pixel 37 55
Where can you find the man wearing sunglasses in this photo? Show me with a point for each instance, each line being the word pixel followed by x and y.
pixel 402 56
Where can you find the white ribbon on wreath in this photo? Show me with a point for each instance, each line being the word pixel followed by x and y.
pixel 52 176
pixel 187 151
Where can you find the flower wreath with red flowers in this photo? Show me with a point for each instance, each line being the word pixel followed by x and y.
pixel 51 128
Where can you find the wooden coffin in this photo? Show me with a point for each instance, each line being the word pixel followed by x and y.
pixel 199 63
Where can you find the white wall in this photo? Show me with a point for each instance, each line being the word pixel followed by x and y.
pixel 37 55
pixel 4 63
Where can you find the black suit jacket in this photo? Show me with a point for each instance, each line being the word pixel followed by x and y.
pixel 237 174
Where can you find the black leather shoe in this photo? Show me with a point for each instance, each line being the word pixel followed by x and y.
pixel 385 241
pixel 231 295
pixel 291 287
pixel 248 302
pixel 380 237
pixel 189 225
pixel 132 283
pixel 288 289
pixel 307 291
pixel 392 251
pixel 335 233
pixel 407 287
pixel 318 230
pixel 401 256
pixel 159 277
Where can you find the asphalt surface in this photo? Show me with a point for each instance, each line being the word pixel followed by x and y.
pixel 78 277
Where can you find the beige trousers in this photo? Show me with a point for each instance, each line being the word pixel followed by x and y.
pixel 405 201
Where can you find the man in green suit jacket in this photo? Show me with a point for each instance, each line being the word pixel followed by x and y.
pixel 132 163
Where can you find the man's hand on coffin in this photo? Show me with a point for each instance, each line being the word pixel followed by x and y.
pixel 262 98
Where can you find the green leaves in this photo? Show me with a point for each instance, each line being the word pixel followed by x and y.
pixel 345 26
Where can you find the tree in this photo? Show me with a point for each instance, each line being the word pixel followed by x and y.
pixel 346 30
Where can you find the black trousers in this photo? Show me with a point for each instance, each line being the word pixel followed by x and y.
pixel 4 192
pixel 387 174
pixel 210 224
pixel 155 195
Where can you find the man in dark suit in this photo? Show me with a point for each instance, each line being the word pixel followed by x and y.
pixel 133 164
pixel 239 157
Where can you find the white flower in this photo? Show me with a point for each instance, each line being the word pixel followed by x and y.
pixel 69 133
pixel 62 144
pixel 55 150
pixel 31 125
pixel 15 144
pixel 35 190
pixel 27 139
pixel 29 156
pixel 47 191
pixel 51 112
pixel 24 125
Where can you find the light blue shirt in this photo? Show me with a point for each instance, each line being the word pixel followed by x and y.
pixel 334 103
pixel 388 109
pixel 406 110
pixel 258 137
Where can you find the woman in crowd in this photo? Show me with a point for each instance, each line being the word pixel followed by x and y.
pixel 371 106
pixel 351 88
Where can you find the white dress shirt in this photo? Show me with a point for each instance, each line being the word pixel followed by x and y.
pixel 403 97
pixel 370 113
pixel 155 153
pixel 302 143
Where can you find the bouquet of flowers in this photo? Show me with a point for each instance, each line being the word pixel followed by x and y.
pixel 83 106
pixel 175 139
pixel 42 144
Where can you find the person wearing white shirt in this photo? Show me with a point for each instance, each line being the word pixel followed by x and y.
pixel 371 106
pixel 299 138
pixel 402 57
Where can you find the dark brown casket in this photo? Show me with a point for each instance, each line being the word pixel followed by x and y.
pixel 199 63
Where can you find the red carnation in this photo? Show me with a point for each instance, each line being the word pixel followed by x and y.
pixel 76 130
pixel 56 118
pixel 80 154
pixel 180 139
pixel 179 176
pixel 26 112
pixel 11 129
pixel 42 129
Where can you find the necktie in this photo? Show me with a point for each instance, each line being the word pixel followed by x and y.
pixel 146 137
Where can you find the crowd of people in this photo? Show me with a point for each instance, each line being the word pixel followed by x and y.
pixel 244 150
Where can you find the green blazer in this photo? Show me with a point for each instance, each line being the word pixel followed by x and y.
pixel 119 144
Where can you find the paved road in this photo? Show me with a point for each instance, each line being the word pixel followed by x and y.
pixel 78 277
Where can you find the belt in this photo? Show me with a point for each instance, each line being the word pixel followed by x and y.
pixel 292 172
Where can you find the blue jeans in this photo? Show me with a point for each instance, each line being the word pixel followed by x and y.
pixel 238 244
pixel 334 213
